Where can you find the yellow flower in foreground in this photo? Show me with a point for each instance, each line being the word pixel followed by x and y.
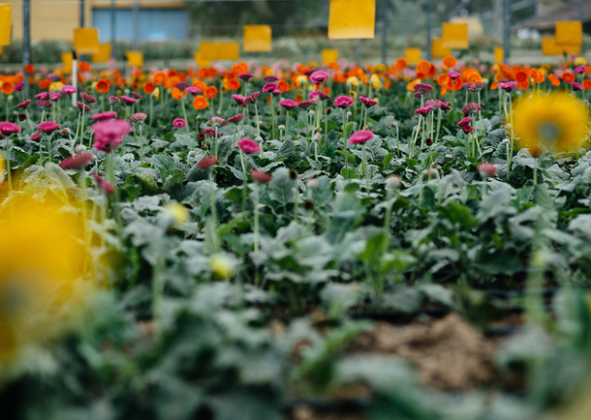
pixel 56 86
pixel 177 212
pixel 352 82
pixel 42 259
pixel 221 266
pixel 557 122
pixel 2 166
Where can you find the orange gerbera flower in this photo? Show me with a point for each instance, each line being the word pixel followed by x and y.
pixel 171 81
pixel 432 71
pixel 202 73
pixel 177 93
pixel 443 79
pixel 44 84
pixel 400 64
pixel 283 86
pixel 521 76
pixel 211 92
pixel 19 78
pixel 200 102
pixel 449 62
pixel 553 79
pixel 334 66
pixel 84 66
pixel 523 85
pixel 299 98
pixel 340 78
pixel 212 72
pixel 474 77
pixel 159 77
pixel 387 84
pixel 587 84
pixel 301 68
pixel 231 84
pixel 537 75
pixel 326 90
pixel 171 73
pixel 200 84
pixel 149 87
pixel 456 84
pixel 182 75
pixel 424 66
pixel 240 67
pixel 7 88
pixel 103 85
pixel 29 69
pixel 568 77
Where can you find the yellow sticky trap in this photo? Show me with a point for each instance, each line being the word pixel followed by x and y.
pixel 67 60
pixel 499 54
pixel 257 38
pixel 330 56
pixel 103 54
pixel 412 55
pixel 86 40
pixel 455 36
pixel 549 47
pixel 438 50
pixel 219 50
pixel 569 33
pixel 200 61
pixel 5 23
pixel 135 58
pixel 352 19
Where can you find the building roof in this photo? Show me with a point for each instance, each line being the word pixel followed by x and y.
pixel 564 11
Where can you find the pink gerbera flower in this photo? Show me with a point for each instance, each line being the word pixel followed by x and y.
pixel 288 104
pixel 103 184
pixel 7 127
pixel 360 137
pixel 48 127
pixel 107 115
pixel 248 146
pixel 207 162
pixel 318 77
pixel 77 161
pixel 260 176
pixel 236 118
pixel 343 102
pixel 128 100
pixel 108 135
pixel 487 169
pixel 68 90
pixel 179 123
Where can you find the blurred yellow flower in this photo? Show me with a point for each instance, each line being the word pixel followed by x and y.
pixel 353 82
pixel 156 93
pixel 557 122
pixel 42 260
pixel 375 81
pixel 177 212
pixel 352 94
pixel 56 86
pixel 221 266
pixel 302 81
pixel 580 61
pixel 2 166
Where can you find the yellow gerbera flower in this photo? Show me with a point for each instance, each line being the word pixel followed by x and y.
pixel 178 213
pixel 376 83
pixel 353 82
pixel 557 122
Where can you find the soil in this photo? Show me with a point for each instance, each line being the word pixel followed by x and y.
pixel 449 353
pixel 305 413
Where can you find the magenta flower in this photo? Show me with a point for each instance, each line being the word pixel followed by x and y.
pixel 138 117
pixel 193 90
pixel 128 100
pixel 114 100
pixel 270 78
pixel 108 135
pixel 77 161
pixel 424 88
pixel 179 123
pixel 277 92
pixel 305 104
pixel 87 98
pixel 240 100
pixel 576 86
pixel 360 137
pixel 211 132
pixel 55 96
pixel 219 122
pixel 42 96
pixel 464 121
pixel 82 107
pixel 453 75
pixel 207 162
pixel 434 103
pixel 471 108
pixel 24 104
pixel 467 129
pixel 367 101
pixel 288 104
pixel 245 76
pixel 181 85
pixel 54 77
pixel 7 127
pixel 260 176
pixel 36 136
pixel 48 127
pixel 580 70
pixel 236 118
pixel 318 94
pixel 318 77
pixel 343 102
pixel 43 104
pixel 248 146
pixel 19 86
pixel 423 111
pixel 103 184
pixel 253 97
pixel 508 86
pixel 269 87
pixel 137 96
pixel 487 169
pixel 68 90
pixel 107 115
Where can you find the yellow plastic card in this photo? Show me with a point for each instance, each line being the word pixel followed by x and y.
pixel 135 58
pixel 86 40
pixel 200 61
pixel 412 55
pixel 438 50
pixel 455 36
pixel 330 56
pixel 352 19
pixel 103 54
pixel 5 22
pixel 499 54
pixel 549 47
pixel 219 50
pixel 569 33
pixel 67 59
pixel 257 38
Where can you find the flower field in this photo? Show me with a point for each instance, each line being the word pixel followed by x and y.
pixel 306 242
